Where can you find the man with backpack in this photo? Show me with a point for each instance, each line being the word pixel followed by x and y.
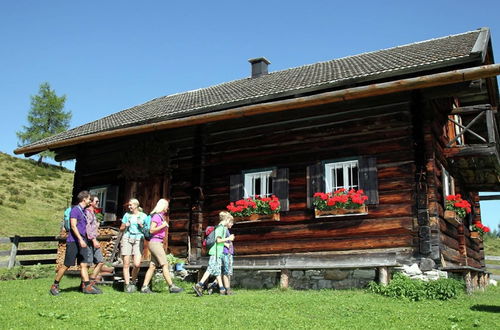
pixel 215 252
pixel 77 247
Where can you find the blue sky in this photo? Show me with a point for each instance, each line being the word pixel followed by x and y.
pixel 106 56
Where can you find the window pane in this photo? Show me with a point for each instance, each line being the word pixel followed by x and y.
pixel 256 189
pixel 355 177
pixel 339 178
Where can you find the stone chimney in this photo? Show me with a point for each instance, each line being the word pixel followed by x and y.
pixel 259 66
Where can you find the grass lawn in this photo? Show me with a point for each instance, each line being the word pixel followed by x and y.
pixel 27 303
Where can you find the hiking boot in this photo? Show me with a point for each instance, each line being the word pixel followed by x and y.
pixel 175 289
pixel 222 292
pixel 54 290
pixel 130 288
pixel 229 292
pixel 89 289
pixel 146 289
pixel 198 289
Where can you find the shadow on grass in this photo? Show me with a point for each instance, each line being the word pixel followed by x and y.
pixel 486 308
pixel 70 289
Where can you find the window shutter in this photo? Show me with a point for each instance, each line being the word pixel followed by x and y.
pixel 280 187
pixel 315 181
pixel 368 180
pixel 235 187
pixel 111 200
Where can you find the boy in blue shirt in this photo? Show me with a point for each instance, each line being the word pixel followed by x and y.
pixel 216 253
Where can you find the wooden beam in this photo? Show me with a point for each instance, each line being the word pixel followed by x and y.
pixel 402 85
pixel 490 198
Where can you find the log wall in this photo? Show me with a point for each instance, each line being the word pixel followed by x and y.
pixel 207 155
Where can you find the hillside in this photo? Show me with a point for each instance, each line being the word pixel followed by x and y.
pixel 32 197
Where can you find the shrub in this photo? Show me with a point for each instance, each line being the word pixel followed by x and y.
pixel 26 272
pixel 403 287
pixel 17 200
pixel 14 191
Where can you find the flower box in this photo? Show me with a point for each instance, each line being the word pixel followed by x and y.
pixel 476 236
pixel 452 217
pixel 258 217
pixel 362 210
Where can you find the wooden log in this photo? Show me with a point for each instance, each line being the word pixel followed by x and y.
pixel 284 278
pixel 312 245
pixel 13 252
pixel 383 277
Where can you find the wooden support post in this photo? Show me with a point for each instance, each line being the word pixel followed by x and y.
pixel 468 282
pixel 13 252
pixel 475 281
pixel 490 125
pixel 383 275
pixel 284 278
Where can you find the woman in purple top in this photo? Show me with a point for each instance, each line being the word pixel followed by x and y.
pixel 159 225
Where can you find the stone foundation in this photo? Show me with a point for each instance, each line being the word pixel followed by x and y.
pixel 315 279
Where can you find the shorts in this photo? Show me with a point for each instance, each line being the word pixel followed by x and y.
pixel 95 254
pixel 75 252
pixel 131 246
pixel 227 264
pixel 158 255
pixel 214 265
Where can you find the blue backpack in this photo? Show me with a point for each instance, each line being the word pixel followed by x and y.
pixel 66 222
pixel 146 226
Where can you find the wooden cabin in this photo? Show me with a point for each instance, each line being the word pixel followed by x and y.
pixel 409 125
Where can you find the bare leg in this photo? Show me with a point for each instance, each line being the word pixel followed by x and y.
pixel 219 281
pixel 205 277
pixel 226 281
pixel 126 269
pixel 84 272
pixel 149 274
pixel 60 273
pixel 166 274
pixel 137 266
pixel 97 270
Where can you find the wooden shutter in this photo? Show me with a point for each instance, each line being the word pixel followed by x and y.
pixel 368 180
pixel 280 187
pixel 111 200
pixel 315 181
pixel 235 187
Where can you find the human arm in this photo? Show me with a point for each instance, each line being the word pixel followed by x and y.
pixel 125 223
pixel 96 243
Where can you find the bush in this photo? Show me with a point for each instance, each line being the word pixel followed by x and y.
pixel 403 287
pixel 17 200
pixel 26 272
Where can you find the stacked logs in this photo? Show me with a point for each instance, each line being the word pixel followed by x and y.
pixel 107 240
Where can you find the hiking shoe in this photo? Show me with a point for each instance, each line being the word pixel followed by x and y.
pixel 146 289
pixel 130 288
pixel 89 289
pixel 222 292
pixel 229 292
pixel 54 290
pixel 175 289
pixel 198 289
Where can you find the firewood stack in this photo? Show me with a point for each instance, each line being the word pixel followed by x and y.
pixel 107 240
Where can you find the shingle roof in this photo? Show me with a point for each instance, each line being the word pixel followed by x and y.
pixel 363 68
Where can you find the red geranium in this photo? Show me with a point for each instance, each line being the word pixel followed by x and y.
pixel 257 204
pixel 457 204
pixel 480 228
pixel 340 199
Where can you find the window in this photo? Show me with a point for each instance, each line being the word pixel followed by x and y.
pixel 262 182
pixel 258 183
pixel 101 195
pixel 330 175
pixel 341 175
pixel 108 200
pixel 448 183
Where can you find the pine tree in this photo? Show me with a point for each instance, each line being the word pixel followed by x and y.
pixel 46 118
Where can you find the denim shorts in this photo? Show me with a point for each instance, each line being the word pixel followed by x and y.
pixel 74 252
pixel 227 264
pixel 95 254
pixel 214 265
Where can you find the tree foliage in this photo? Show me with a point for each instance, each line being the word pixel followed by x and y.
pixel 45 118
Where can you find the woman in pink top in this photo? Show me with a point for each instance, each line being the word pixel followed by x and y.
pixel 159 225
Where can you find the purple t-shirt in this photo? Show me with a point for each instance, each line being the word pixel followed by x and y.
pixel 81 224
pixel 230 249
pixel 158 236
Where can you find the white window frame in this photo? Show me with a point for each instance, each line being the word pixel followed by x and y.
pixel 346 166
pixel 101 193
pixel 249 183
pixel 448 183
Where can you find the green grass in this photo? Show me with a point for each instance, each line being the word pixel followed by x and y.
pixel 26 303
pixel 30 192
